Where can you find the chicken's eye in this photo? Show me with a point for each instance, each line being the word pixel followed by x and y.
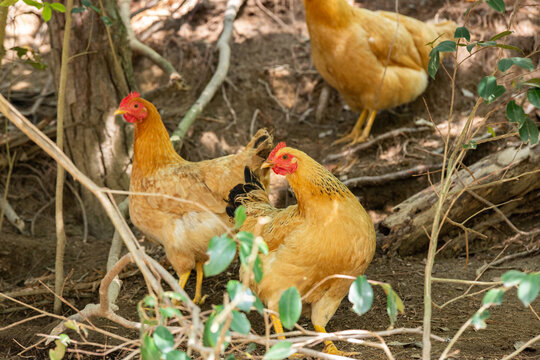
pixel 285 157
pixel 136 106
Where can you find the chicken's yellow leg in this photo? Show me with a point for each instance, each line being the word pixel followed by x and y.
pixel 367 129
pixel 277 326
pixel 355 132
pixel 198 287
pixel 184 278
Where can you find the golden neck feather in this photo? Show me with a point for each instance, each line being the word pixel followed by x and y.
pixel 152 147
pixel 312 183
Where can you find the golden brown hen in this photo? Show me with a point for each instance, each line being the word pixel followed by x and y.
pixel 185 227
pixel 350 47
pixel 327 232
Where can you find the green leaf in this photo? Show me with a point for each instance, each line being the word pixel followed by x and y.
pixel 505 64
pixel 47 12
pixel 149 351
pixel 150 300
pixel 58 352
pixel 446 46
pixel 479 319
pixel 240 323
pixel 77 10
pixel 163 339
pixel 433 65
pixel 508 47
pixel 489 90
pixel 251 348
pixel 176 355
pixel 491 131
pixel 7 3
pixel 501 35
pixel 515 113
pixel 211 335
pixel 361 295
pixel 33 3
pixel 528 288
pixel 64 339
pixel 258 270
pixel 246 245
pixel 237 293
pixel 534 97
pixel 175 296
pixel 512 277
pixel 497 5
pixel 107 20
pixel 170 312
pixel 239 216
pixel 487 43
pixel 20 51
pixel 462 32
pixel 280 350
pixel 532 82
pixel 86 3
pixel 258 305
pixel 471 46
pixel 493 297
pixel 290 307
pixel 391 307
pixel 230 357
pixel 58 7
pixel 221 251
pixel 471 145
pixel 529 132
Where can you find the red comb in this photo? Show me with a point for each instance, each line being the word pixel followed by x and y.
pixel 279 146
pixel 130 97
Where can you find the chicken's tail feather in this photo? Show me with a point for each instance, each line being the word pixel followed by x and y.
pixel 262 142
pixel 245 191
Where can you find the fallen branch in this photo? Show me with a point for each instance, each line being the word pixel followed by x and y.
pixel 509 174
pixel 217 79
pixel 174 76
pixel 368 144
pixel 398 175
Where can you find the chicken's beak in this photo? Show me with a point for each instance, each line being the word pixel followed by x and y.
pixel 266 164
pixel 120 112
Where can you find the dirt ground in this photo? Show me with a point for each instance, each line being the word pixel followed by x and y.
pixel 271 74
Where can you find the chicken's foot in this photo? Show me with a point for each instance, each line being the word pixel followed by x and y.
pixel 329 347
pixel 278 327
pixel 356 132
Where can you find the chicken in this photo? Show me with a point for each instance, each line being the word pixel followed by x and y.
pixel 327 232
pixel 183 227
pixel 350 46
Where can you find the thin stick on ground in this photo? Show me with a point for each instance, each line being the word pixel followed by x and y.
pixel 217 79
pixel 174 76
pixel 60 173
pixel 381 179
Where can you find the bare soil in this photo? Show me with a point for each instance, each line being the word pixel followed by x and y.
pixel 265 55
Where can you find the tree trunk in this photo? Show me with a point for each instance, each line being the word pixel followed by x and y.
pixel 406 228
pixel 98 78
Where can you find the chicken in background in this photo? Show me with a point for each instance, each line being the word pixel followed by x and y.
pixel 184 228
pixel 327 232
pixel 350 47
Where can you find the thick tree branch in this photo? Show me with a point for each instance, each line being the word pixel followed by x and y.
pixel 217 79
